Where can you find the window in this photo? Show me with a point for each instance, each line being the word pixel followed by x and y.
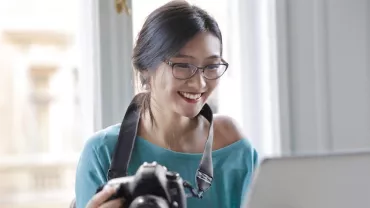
pixel 41 128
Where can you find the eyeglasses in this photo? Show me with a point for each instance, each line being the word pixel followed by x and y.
pixel 186 71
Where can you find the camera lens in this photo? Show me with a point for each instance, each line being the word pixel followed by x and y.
pixel 149 201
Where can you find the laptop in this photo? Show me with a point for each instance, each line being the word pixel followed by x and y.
pixel 320 181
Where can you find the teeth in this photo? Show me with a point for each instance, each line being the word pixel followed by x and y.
pixel 190 95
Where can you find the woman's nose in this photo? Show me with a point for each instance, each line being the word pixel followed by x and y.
pixel 198 81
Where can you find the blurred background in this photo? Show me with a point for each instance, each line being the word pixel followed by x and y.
pixel 298 81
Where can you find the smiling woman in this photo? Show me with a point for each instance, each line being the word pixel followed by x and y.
pixel 183 44
pixel 141 9
pixel 178 57
pixel 166 55
pixel 184 82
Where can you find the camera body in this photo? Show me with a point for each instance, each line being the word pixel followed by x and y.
pixel 152 186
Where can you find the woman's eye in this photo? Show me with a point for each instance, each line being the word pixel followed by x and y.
pixel 213 66
pixel 184 66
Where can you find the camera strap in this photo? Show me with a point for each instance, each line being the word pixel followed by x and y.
pixel 126 140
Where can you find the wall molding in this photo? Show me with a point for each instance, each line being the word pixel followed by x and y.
pixel 284 84
pixel 320 50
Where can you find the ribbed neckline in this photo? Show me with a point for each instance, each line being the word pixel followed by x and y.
pixel 146 145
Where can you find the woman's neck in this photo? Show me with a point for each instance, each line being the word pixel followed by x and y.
pixel 169 129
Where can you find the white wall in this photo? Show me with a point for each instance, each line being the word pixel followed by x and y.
pixel 324 67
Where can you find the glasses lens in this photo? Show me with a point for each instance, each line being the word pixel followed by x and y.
pixel 183 71
pixel 214 71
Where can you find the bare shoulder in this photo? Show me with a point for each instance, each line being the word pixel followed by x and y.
pixel 226 130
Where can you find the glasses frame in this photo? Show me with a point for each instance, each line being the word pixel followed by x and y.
pixel 172 65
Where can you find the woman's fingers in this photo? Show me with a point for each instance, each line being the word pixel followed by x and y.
pixel 99 198
pixel 117 203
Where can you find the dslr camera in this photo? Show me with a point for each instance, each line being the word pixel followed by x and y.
pixel 153 186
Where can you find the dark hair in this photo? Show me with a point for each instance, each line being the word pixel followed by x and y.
pixel 165 31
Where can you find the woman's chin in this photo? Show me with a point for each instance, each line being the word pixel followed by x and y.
pixel 189 113
pixel 189 110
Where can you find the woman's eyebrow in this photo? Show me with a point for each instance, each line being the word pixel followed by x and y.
pixel 214 57
pixel 183 56
pixel 192 57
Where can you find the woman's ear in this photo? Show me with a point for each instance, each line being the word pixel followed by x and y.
pixel 145 79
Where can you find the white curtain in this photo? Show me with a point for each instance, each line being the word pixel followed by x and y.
pixel 249 93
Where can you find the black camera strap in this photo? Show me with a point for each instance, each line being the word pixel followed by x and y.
pixel 126 140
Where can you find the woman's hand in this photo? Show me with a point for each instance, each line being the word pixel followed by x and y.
pixel 99 199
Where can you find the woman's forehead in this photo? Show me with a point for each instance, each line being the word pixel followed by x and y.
pixel 202 46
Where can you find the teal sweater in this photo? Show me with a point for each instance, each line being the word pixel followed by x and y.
pixel 233 168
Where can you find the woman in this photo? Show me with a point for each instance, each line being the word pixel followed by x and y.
pixel 178 56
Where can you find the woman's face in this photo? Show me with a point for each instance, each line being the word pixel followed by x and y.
pixel 186 97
